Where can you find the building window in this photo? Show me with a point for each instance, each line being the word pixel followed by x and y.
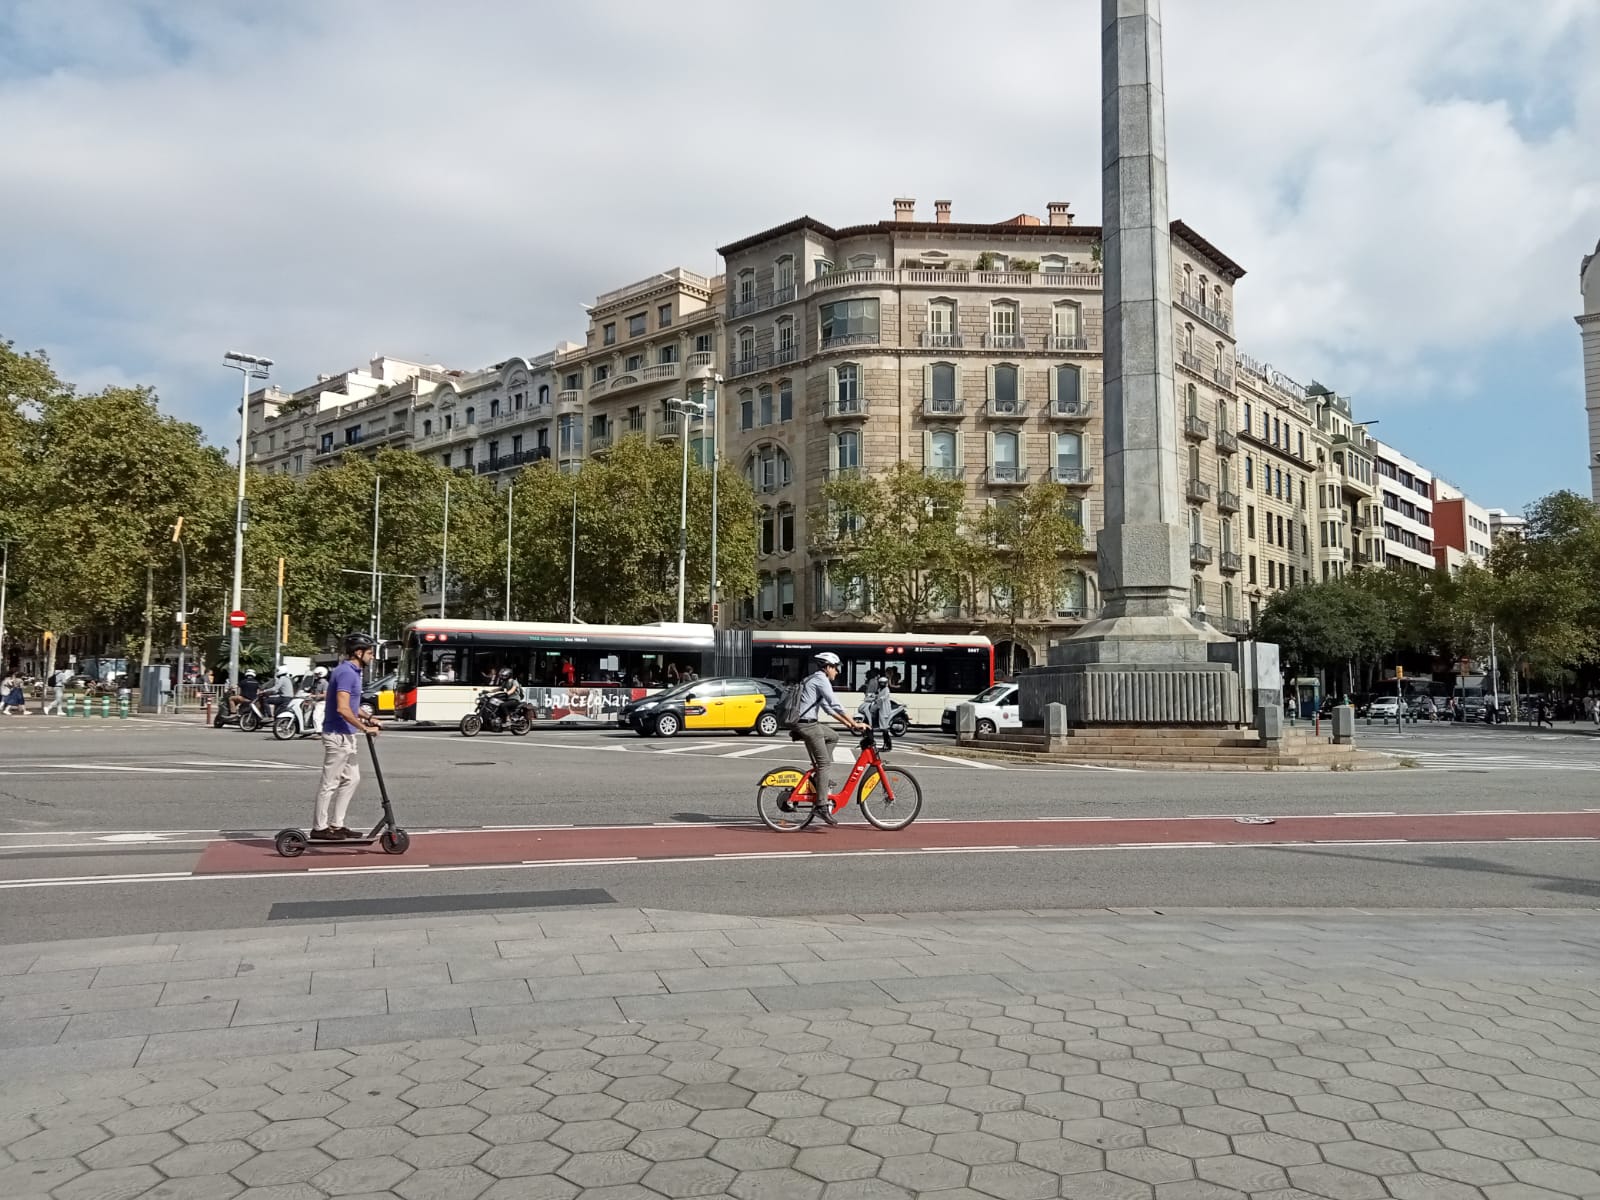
pixel 769 531
pixel 444 459
pixel 764 397
pixel 636 326
pixel 1250 521
pixel 664 316
pixel 300 463
pixel 848 321
pixel 1197 593
pixel 785 400
pixel 608 333
pixel 1193 397
pixel 1006 465
pixel 494 449
pixel 1072 509
pixel 863 262
pixel 848 382
pixel 1067 325
pixel 602 372
pixel 766 597
pixel 427 428
pixel 1003 324
pixel 1006 391
pixel 1073 599
pixel 667 354
pixel 785 594
pixel 634 363
pixel 1053 264
pixel 1068 381
pixel 747 410
pixel 942 384
pixel 1301 442
pixel 768 469
pixel 572 382
pixel 847 450
pixel 820 268
pixel 352 435
pixel 449 421
pixel 747 287
pixel 569 434
pixel 466 457
pixel 702 343
pixel 941 323
pixel 747 349
pixel 783 273
pixel 1225 530
pixel 785 530
pixel 1069 458
pixel 942 452
pixel 1252 568
pixel 516 443
pixel 544 394
pixel 785 339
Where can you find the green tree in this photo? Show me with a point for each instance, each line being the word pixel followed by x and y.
pixel 1026 542
pixel 899 533
pixel 1326 625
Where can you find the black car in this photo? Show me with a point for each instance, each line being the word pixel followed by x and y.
pixel 738 703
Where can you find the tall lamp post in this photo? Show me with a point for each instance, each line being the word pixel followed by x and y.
pixel 686 409
pixel 711 409
pixel 250 367
pixel 5 577
pixel 183 613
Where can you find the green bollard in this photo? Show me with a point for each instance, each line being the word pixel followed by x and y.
pixel 67 705
pixel 122 708
pixel 87 705
pixel 105 706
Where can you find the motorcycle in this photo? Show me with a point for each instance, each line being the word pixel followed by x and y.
pixel 899 718
pixel 249 718
pixel 493 716
pixel 298 717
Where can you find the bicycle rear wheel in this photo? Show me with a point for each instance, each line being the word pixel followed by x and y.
pixel 877 806
pixel 773 793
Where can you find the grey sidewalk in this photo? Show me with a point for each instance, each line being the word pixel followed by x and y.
pixel 623 1053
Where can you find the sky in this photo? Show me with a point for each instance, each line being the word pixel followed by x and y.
pixel 1410 184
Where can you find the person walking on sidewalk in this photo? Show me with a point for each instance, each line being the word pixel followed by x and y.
pixel 342 719
pixel 58 688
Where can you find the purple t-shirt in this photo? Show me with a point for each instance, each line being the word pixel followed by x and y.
pixel 346 677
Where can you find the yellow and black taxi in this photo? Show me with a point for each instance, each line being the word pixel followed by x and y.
pixel 705 705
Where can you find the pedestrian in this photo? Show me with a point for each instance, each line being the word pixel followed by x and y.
pixel 1542 714
pixel 58 687
pixel 815 701
pixel 11 701
pixel 877 706
pixel 342 719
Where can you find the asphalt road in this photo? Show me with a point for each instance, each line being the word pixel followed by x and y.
pixel 82 801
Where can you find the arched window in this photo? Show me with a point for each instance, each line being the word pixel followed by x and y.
pixel 747 287
pixel 1003 330
pixel 1006 468
pixel 1193 396
pixel 1067 326
pixel 847 450
pixel 942 453
pixel 764 404
pixel 747 349
pixel 1072 509
pixel 847 388
pixel 942 322
pixel 768 469
pixel 1073 598
pixel 1069 458
pixel 785 339
pixel 1197 594
pixel 783 276
pixel 942 387
pixel 1196 527
pixel 1053 264
pixel 862 262
pixel 544 394
pixel 472 416
pixel 1067 384
pixel 1194 462
pixel 1006 394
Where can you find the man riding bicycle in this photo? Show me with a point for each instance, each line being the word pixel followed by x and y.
pixel 817 698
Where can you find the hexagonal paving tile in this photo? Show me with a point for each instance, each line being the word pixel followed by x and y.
pixel 1149 1164
pixel 355 1176
pixel 206 1158
pixel 582 1106
pixel 834 1164
pixel 120 1183
pixel 1061 1157
pixel 293 1134
pixel 812 1131
pixel 667 1145
pixel 453 1118
pixel 129 1151
pixel 603 1168
pixel 273 1167
pixel 688 1177
pixel 1014 1181
pixel 921 1174
pixel 752 1153
pixel 780 1184
pixel 974 1148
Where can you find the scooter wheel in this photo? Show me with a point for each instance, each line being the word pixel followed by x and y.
pixel 395 841
pixel 291 843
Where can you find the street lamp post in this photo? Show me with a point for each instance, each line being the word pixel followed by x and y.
pixel 250 367
pixel 711 407
pixel 5 577
pixel 686 409
pixel 183 614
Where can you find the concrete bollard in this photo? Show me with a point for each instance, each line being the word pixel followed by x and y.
pixel 1055 721
pixel 1344 725
pixel 1269 724
pixel 966 722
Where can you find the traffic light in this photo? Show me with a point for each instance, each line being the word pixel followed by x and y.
pixel 716 612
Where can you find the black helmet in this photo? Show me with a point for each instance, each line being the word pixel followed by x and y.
pixel 358 641
pixel 506 674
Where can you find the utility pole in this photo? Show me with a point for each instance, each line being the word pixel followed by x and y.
pixel 572 564
pixel 249 366
pixel 183 613
pixel 511 490
pixel 277 627
pixel 377 491
pixel 444 553
pixel 5 577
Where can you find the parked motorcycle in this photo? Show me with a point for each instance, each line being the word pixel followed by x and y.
pixel 249 718
pixel 494 716
pixel 298 717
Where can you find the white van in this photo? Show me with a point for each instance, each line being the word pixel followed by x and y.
pixel 996 709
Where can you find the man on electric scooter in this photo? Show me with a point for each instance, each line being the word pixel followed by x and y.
pixel 342 719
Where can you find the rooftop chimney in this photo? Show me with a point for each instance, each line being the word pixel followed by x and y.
pixel 904 209
pixel 1060 212
pixel 941 211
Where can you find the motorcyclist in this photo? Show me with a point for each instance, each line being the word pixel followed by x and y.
pixel 282 690
pixel 249 689
pixel 506 697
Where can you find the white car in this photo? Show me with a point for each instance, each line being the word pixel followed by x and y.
pixel 1384 706
pixel 996 708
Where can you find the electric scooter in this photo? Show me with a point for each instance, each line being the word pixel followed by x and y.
pixel 292 843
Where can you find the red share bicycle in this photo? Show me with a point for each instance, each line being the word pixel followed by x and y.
pixel 890 797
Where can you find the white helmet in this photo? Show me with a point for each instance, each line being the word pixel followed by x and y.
pixel 282 671
pixel 321 672
pixel 827 658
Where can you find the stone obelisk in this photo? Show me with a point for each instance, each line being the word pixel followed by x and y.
pixel 1145 661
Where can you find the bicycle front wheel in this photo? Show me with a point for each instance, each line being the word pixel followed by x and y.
pixel 777 805
pixel 890 799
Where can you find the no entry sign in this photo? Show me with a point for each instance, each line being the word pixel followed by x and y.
pixel 236 618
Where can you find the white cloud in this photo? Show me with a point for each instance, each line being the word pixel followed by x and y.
pixel 1407 183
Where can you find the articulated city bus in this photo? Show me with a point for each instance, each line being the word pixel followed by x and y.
pixel 588 672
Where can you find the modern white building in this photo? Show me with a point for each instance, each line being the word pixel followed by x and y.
pixel 1401 535
pixel 1505 524
pixel 1589 323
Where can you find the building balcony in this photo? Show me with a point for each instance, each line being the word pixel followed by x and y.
pixel 843 341
pixel 1361 524
pixel 940 278
pixel 1199 554
pixel 1235 626
pixel 854 277
pixel 1072 476
pixel 1006 475
pixel 1356 487
pixel 1004 341
pixel 634 423
pixel 1071 410
pixel 1196 428
pixel 943 408
pixel 750 364
pixel 1198 490
pixel 702 358
pixel 568 400
pixel 945 472
pixel 1228 562
pixel 1222 377
pixel 1191 360
pixel 785 354
pixel 599 443
pixel 1228 501
pixel 661 371
pixel 1070 343
pixel 1227 442
pixel 835 474
pixel 845 410
pixel 940 340
pixel 1214 317
pixel 1361 558
pixel 519 458
pixel 1006 410
pixel 670 425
